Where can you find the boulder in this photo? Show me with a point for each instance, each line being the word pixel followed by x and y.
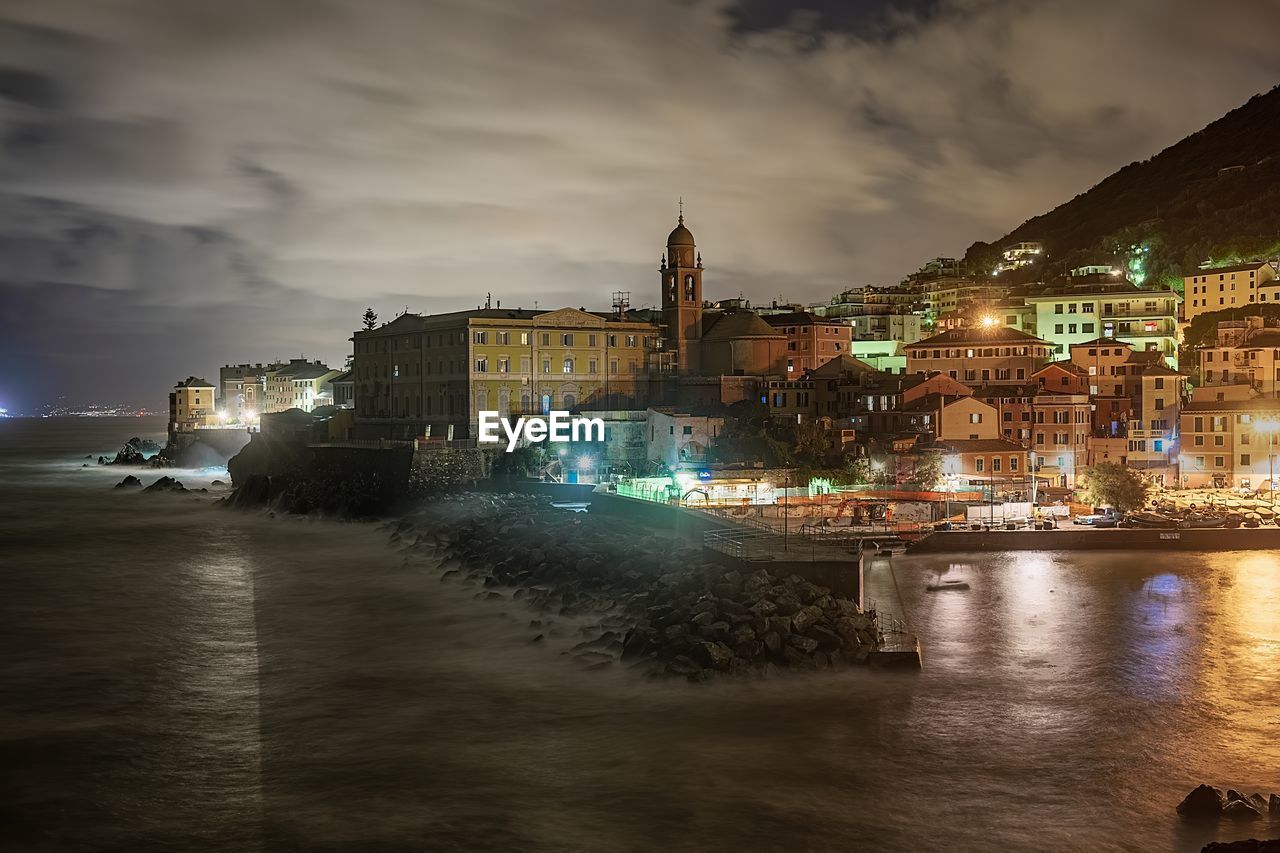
pixel 1251 845
pixel 804 644
pixel 165 484
pixel 1241 810
pixel 130 482
pixel 805 618
pixel 1205 801
pixel 1273 806
pixel 711 655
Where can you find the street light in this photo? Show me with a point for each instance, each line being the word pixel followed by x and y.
pixel 1270 426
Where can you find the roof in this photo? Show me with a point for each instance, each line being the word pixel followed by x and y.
pixel 1103 342
pixel 1161 370
pixel 194 382
pixel 974 445
pixel 347 376
pixel 1068 366
pixel 841 365
pixel 1252 265
pixel 680 236
pixel 1264 338
pixel 996 335
pixel 1150 356
pixel 794 318
pixel 1254 404
pixel 934 402
pixel 309 371
pixel 739 324
pixel 988 392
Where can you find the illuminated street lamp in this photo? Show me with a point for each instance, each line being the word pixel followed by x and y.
pixel 989 322
pixel 1270 426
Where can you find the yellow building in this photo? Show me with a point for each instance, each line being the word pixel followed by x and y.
pixel 433 374
pixel 1228 439
pixel 1245 352
pixel 191 405
pixel 1223 288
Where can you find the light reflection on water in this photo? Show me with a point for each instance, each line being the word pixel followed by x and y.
pixel 182 678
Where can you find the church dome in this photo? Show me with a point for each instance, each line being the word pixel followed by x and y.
pixel 681 236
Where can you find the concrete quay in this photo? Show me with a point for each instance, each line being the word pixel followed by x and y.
pixel 1088 539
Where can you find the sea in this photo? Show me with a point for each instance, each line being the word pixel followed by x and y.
pixel 178 676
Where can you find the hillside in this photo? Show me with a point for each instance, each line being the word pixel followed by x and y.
pixel 1179 206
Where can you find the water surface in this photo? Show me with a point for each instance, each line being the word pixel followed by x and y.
pixel 178 677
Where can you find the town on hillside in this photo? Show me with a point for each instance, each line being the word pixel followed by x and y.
pixel 955 383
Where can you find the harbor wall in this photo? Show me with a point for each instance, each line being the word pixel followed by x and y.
pixel 1087 539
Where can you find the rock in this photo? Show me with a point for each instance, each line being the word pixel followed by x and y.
pixel 741 634
pixel 826 640
pixel 1273 806
pixel 804 644
pixel 130 482
pixel 165 484
pixel 1259 802
pixel 217 483
pixel 772 642
pixel 805 618
pixel 712 655
pixel 1251 845
pixel 682 665
pixel 1205 801
pixel 1241 810
pixel 764 607
pixel 1233 794
pixel 786 604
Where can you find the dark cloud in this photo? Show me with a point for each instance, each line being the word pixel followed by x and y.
pixel 229 171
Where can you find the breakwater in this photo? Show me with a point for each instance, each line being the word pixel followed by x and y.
pixel 636 596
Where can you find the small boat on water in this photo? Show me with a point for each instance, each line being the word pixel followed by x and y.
pixel 955 583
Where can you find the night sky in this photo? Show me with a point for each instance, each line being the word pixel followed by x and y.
pixel 185 183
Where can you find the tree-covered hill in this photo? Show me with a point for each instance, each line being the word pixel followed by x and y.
pixel 1215 194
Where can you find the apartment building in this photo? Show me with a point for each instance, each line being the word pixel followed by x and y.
pixel 812 341
pixel 1228 438
pixel 432 374
pixel 1223 288
pixel 1093 305
pixel 1246 352
pixel 979 356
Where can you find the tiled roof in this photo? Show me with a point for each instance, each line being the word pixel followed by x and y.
pixel 1252 265
pixel 194 382
pixel 984 337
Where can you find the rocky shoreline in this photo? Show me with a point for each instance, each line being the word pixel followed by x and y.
pixel 649 601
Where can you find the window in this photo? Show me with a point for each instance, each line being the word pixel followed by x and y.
pixel 995 464
pixel 546 339
pixel 504 364
pixel 1057 328
pixel 482 365
pixel 395 371
pixel 524 339
pixel 978 464
pixel 546 365
pixel 591 366
pixel 1013 463
pixel 975 418
pixel 481 337
pixel 687 430
pixel 568 365
pixel 1057 309
pixel 504 337
pixel 566 340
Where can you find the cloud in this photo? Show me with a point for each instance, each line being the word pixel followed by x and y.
pixel 425 153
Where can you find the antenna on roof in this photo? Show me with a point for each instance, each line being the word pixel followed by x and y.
pixel 621 302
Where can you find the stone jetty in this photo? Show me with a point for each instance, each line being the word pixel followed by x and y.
pixel 650 601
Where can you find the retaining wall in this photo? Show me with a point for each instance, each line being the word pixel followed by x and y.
pixel 1085 539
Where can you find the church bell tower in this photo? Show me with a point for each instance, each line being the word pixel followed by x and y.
pixel 681 272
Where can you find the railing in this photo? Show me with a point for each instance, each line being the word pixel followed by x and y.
pixel 367 443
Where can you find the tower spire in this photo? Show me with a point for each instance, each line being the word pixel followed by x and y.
pixel 680 218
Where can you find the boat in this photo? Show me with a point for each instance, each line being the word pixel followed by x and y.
pixel 941 586
pixel 1150 520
